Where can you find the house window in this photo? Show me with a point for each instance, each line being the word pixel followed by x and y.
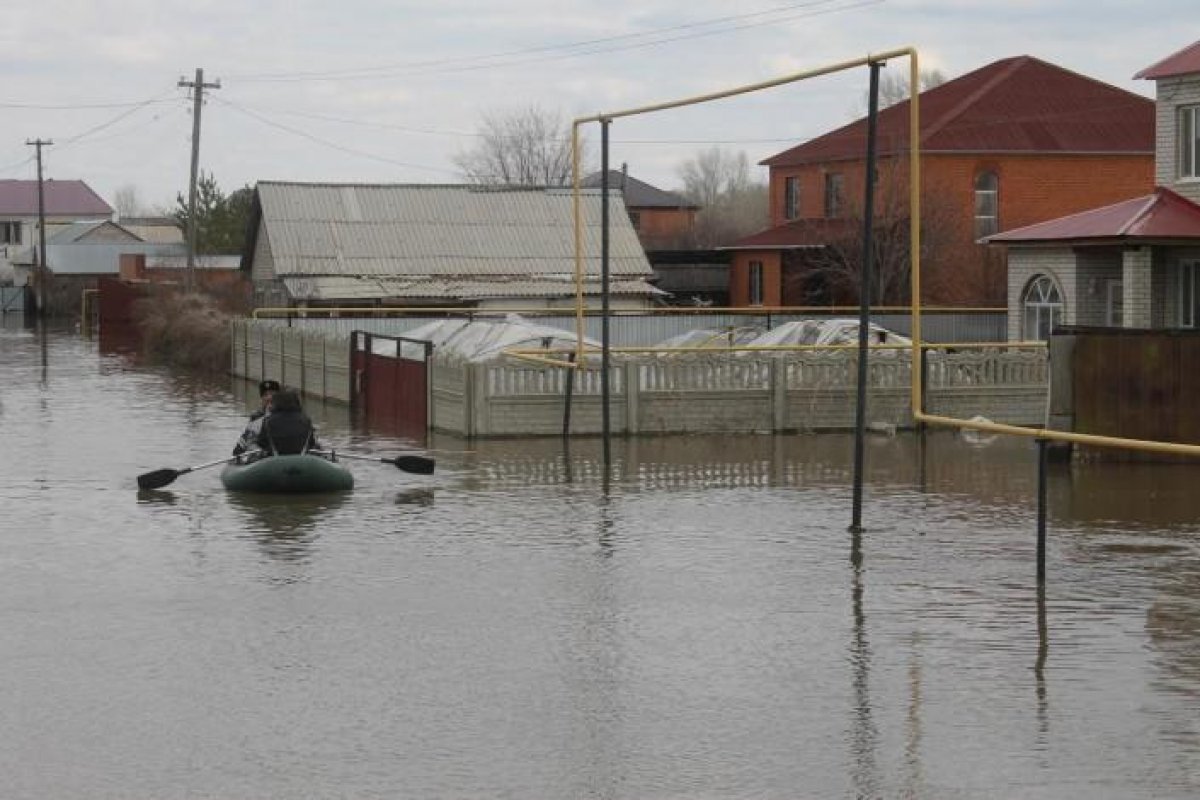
pixel 1041 308
pixel 833 194
pixel 756 283
pixel 987 205
pixel 791 198
pixel 1114 308
pixel 1189 294
pixel 1189 142
pixel 10 233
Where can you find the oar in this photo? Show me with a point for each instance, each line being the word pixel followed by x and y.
pixel 161 477
pixel 418 465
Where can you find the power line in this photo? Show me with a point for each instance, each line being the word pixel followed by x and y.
pixel 570 50
pixel 476 135
pixel 113 121
pixel 327 143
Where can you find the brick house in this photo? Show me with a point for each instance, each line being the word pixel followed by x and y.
pixel 1134 264
pixel 663 220
pixel 1012 143
pixel 65 202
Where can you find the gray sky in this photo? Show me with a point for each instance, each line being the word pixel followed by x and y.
pixel 390 91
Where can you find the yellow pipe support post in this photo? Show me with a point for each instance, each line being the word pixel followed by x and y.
pixel 606 117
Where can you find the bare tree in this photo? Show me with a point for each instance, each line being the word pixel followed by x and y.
pixel 833 272
pixel 526 147
pixel 893 87
pixel 731 204
pixel 127 202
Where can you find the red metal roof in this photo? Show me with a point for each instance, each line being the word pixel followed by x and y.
pixel 1016 105
pixel 800 233
pixel 1161 215
pixel 62 198
pixel 1184 62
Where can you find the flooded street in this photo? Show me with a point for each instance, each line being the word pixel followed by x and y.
pixel 701 627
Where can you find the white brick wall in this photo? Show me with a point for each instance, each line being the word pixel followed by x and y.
pixel 1173 93
pixel 1024 264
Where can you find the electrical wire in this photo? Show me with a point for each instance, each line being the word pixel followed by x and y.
pixel 326 142
pixel 570 50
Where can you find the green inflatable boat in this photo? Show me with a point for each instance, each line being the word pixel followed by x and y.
pixel 287 475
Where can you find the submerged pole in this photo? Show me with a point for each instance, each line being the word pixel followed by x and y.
pixel 1043 448
pixel 606 419
pixel 864 297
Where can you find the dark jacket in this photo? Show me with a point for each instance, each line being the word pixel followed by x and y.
pixel 287 432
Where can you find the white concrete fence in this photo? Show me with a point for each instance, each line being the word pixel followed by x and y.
pixel 693 393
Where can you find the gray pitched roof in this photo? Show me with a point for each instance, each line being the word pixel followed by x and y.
pixel 402 235
pixel 637 194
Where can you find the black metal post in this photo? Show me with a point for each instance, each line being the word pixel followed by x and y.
pixel 569 397
pixel 1043 448
pixel 606 420
pixel 864 297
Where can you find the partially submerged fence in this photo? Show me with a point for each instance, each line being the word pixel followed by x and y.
pixel 692 393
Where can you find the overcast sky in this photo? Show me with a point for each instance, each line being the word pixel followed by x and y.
pixel 391 90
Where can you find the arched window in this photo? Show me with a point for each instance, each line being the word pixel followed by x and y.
pixel 1041 308
pixel 987 204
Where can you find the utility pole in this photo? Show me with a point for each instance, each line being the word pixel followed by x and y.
pixel 39 273
pixel 197 86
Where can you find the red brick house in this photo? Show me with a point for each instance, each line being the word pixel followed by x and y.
pixel 1013 143
pixel 663 220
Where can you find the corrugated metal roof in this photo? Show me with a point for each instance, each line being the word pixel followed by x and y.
pixel 19 198
pixel 637 194
pixel 1184 62
pixel 1161 215
pixel 1016 105
pixel 432 288
pixel 462 231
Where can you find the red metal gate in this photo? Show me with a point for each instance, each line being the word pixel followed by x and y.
pixel 389 382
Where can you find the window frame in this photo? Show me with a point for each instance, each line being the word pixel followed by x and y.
pixel 1187 142
pixel 1049 305
pixel 986 223
pixel 835 186
pixel 791 197
pixel 10 232
pixel 755 286
pixel 1114 303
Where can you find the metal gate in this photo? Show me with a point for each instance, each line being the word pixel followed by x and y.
pixel 389 382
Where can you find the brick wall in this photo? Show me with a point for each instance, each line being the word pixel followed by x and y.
pixel 1024 264
pixel 1172 93
pixel 1032 188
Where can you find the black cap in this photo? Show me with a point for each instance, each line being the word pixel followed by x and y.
pixel 267 386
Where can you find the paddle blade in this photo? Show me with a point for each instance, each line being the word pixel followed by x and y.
pixel 417 465
pixel 157 479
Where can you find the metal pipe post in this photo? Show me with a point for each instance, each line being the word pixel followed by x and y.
pixel 606 419
pixel 1043 447
pixel 864 297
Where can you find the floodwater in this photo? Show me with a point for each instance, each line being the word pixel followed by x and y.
pixel 703 626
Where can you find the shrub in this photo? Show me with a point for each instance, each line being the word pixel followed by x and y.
pixel 187 330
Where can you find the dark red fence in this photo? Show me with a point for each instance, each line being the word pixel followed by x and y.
pixel 389 382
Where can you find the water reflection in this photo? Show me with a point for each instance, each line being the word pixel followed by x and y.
pixel 285 526
pixel 864 737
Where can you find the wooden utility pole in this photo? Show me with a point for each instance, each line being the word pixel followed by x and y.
pixel 197 86
pixel 39 272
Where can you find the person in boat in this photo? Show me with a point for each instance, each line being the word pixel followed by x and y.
pixel 287 430
pixel 249 437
